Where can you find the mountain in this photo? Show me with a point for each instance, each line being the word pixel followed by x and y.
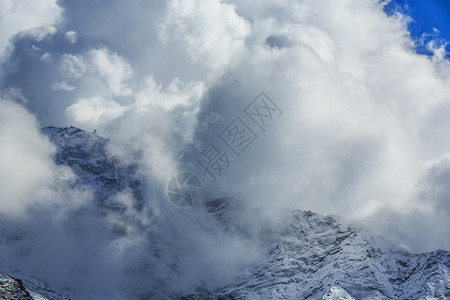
pixel 309 256
pixel 86 154
pixel 315 252
pixel 12 288
pixel 27 288
pixel 337 293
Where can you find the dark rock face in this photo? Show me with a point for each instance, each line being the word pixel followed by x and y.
pixel 12 288
pixel 27 287
pixel 86 154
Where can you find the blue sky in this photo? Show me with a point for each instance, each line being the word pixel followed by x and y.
pixel 425 15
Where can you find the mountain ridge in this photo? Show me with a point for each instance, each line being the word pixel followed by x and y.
pixel 309 256
pixel 365 265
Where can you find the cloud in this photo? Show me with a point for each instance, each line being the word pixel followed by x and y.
pixel 94 111
pixel 50 225
pixel 71 36
pixel 211 32
pixel 362 132
pixel 38 19
pixel 15 94
pixel 140 115
pixel 360 109
pixel 27 170
pixel 72 66
pixel 62 85
pixel 427 216
pixel 113 69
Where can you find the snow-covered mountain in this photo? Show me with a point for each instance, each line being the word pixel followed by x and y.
pixel 318 257
pixel 86 154
pixel 27 287
pixel 309 256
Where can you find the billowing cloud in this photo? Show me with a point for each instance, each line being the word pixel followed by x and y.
pixel 361 111
pixel 28 176
pixel 113 69
pixel 37 19
pixel 362 132
pixel 49 223
pixel 211 32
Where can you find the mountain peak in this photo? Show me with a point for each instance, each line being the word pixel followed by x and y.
pixel 87 154
pixel 336 292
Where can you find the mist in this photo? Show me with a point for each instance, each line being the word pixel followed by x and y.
pixel 360 131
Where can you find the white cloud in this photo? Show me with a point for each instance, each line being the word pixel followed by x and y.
pixel 63 86
pixel 45 57
pixel 37 18
pixel 114 69
pixel 72 66
pixel 71 36
pixel 94 112
pixel 360 109
pixel 354 90
pixel 175 95
pixel 150 124
pixel 28 176
pixel 138 115
pixel 211 32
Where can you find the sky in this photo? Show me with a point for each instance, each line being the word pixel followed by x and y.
pixel 359 91
pixel 430 20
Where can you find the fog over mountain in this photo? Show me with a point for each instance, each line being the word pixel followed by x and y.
pixel 114 247
pixel 342 117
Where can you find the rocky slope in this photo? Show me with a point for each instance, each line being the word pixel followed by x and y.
pixel 314 253
pixel 309 257
pixel 27 288
pixel 86 154
pixel 12 288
